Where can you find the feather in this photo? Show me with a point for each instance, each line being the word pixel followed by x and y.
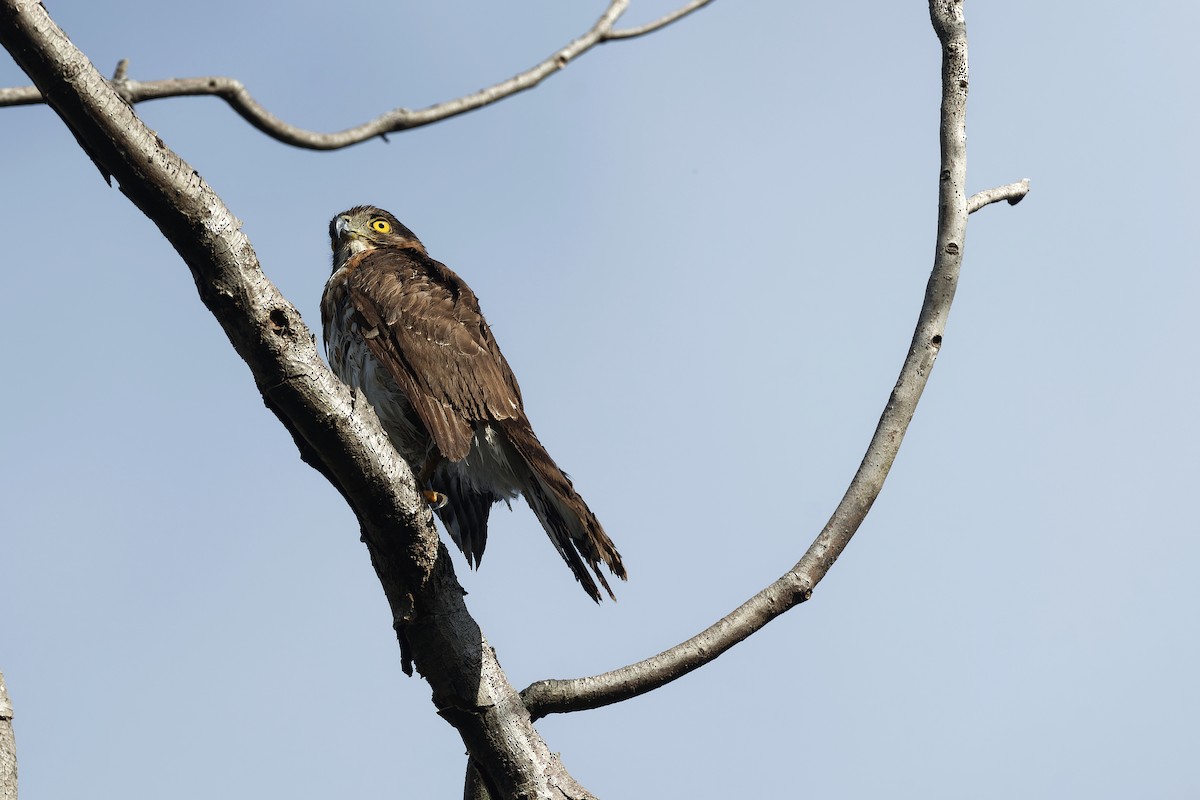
pixel 568 521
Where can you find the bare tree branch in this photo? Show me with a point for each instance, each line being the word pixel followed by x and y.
pixel 663 21
pixel 8 747
pixel 796 586
pixel 20 96
pixel 336 432
pixel 233 92
pixel 1012 192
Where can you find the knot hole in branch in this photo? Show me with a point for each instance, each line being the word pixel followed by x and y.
pixel 279 322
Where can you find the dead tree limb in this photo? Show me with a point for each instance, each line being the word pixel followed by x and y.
pixel 233 92
pixel 797 584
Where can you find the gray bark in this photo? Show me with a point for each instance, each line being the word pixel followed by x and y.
pixel 8 747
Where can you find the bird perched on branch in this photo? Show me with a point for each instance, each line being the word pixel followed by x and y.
pixel 408 332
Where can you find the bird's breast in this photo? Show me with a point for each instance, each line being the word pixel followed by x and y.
pixel 354 363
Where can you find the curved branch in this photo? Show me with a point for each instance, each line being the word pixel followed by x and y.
pixel 235 94
pixel 336 432
pixel 1012 192
pixel 796 586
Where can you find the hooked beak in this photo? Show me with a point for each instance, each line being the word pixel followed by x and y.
pixel 340 234
pixel 344 240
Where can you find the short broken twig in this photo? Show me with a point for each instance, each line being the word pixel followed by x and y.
pixel 1012 192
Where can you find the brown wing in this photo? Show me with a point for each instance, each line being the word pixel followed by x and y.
pixel 424 324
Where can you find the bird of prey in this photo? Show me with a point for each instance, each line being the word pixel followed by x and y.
pixel 408 332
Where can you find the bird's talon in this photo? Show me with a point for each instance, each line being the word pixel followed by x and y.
pixel 435 499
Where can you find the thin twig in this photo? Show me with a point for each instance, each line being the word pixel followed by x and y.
pixel 235 94
pixel 796 586
pixel 1012 192
pixel 20 96
pixel 663 21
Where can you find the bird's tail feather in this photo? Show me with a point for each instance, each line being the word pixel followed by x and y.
pixel 568 521
pixel 465 514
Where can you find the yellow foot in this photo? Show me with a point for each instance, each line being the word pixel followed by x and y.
pixel 435 499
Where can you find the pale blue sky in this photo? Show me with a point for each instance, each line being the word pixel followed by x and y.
pixel 703 253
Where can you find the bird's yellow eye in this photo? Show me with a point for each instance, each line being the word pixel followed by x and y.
pixel 381 226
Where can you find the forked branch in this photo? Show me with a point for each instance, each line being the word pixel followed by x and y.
pixel 663 21
pixel 235 93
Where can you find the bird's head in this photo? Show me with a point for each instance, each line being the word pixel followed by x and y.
pixel 366 228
